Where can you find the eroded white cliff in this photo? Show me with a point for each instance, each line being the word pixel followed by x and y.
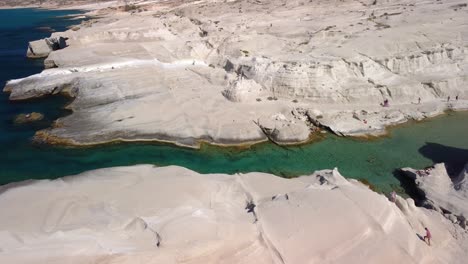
pixel 207 70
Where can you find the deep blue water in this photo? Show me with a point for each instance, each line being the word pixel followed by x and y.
pixel 17 28
pixel 415 145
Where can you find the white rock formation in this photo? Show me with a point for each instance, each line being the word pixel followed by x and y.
pixel 43 47
pixel 144 214
pixel 441 192
pixel 205 70
pixel 243 90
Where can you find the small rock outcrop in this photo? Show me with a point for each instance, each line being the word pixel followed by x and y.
pixel 242 90
pixel 28 118
pixel 43 47
pixel 439 191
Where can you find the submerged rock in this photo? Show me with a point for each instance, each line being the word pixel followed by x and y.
pixel 28 118
pixel 46 29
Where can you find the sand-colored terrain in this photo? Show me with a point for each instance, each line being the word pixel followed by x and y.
pixel 234 72
pixel 144 214
pixel 61 4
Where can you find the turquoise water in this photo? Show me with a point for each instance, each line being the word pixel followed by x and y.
pixel 414 145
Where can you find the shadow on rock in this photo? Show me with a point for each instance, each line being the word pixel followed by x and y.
pixel 420 237
pixel 454 158
pixel 410 187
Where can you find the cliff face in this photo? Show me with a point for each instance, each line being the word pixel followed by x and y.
pixel 439 191
pixel 182 71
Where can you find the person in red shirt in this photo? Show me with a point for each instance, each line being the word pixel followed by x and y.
pixel 428 236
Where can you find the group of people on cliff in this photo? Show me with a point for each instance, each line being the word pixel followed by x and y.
pixel 386 103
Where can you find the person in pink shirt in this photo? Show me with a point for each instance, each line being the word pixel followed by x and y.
pixel 428 236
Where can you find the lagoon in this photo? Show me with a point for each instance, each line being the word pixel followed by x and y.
pixel 417 144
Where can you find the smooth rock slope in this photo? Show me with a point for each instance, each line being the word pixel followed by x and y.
pixel 144 214
pixel 222 71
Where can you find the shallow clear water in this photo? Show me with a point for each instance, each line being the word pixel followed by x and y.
pixel 414 145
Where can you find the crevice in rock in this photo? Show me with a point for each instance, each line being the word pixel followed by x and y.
pixel 250 207
pixel 318 124
pixel 270 133
pixel 355 65
pixel 300 113
pixel 378 62
pixel 430 86
pixel 144 226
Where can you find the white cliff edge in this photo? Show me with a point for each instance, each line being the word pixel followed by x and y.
pixel 219 71
pixel 439 191
pixel 174 215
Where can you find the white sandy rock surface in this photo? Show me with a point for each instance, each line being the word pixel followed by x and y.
pixel 185 71
pixel 58 4
pixel 144 214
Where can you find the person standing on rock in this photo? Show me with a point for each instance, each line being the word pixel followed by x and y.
pixel 385 103
pixel 428 236
pixel 419 100
pixel 448 98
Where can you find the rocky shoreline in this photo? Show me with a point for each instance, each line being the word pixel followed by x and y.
pixel 197 72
